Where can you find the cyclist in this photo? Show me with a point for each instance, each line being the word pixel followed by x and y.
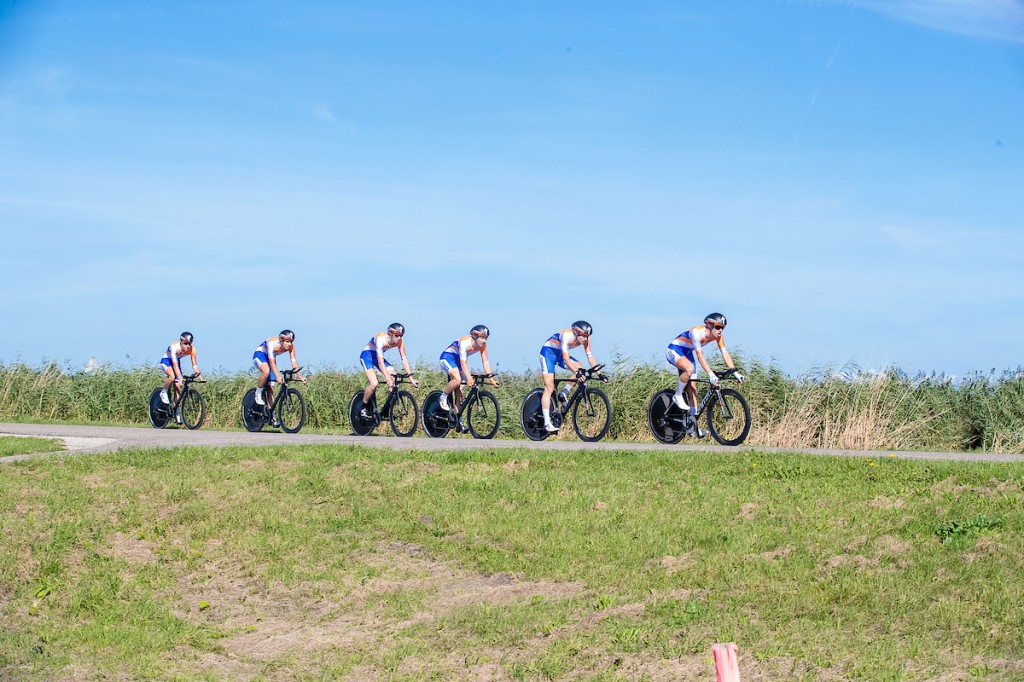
pixel 265 360
pixel 681 354
pixel 372 360
pixel 170 363
pixel 555 353
pixel 454 363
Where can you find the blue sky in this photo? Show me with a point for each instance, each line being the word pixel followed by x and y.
pixel 842 180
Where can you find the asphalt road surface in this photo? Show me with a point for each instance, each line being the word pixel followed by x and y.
pixel 84 440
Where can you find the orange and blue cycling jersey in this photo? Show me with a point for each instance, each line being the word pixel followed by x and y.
pixel 686 343
pixel 559 343
pixel 456 353
pixel 372 356
pixel 271 345
pixel 174 353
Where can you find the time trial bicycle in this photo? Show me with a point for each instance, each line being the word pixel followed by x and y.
pixel 478 414
pixel 399 410
pixel 590 408
pixel 728 414
pixel 186 407
pixel 286 411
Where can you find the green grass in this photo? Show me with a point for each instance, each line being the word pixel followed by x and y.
pixel 17 445
pixel 335 561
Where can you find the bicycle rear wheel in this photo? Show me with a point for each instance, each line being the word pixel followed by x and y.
pixel 404 414
pixel 159 414
pixel 193 409
pixel 592 415
pixel 291 410
pixel 361 426
pixel 664 418
pixel 531 416
pixel 252 414
pixel 729 420
pixel 484 415
pixel 435 420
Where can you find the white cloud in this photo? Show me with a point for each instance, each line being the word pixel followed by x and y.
pixel 999 19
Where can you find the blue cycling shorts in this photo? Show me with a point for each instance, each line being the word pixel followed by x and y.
pixel 260 358
pixel 449 362
pixel 675 352
pixel 551 358
pixel 369 359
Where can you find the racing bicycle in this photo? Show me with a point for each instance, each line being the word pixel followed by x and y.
pixel 478 414
pixel 187 407
pixel 728 414
pixel 590 408
pixel 287 410
pixel 399 410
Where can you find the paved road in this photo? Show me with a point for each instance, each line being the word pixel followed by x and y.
pixel 91 439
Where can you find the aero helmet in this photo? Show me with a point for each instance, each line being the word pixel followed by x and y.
pixel 287 334
pixel 397 329
pixel 480 330
pixel 582 327
pixel 715 318
pixel 186 336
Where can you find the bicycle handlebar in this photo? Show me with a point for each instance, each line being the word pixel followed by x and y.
pixel 725 374
pixel 591 372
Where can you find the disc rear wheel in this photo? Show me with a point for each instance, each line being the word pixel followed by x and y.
pixel 531 416
pixel 435 420
pixel 664 418
pixel 159 413
pixel 252 414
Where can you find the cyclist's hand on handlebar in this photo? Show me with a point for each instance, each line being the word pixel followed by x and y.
pixel 739 377
pixel 413 381
pixel 602 377
pixel 713 378
pixel 494 382
pixel 470 380
pixel 581 374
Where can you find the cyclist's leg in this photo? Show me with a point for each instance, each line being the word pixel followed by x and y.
pixel 369 364
pixel 450 366
pixel 259 360
pixel 682 359
pixel 165 365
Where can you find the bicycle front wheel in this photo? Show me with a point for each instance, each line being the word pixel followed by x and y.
pixel 159 414
pixel 592 415
pixel 664 419
pixel 404 414
pixel 252 414
pixel 193 410
pixel 531 416
pixel 484 415
pixel 291 410
pixel 729 418
pixel 435 420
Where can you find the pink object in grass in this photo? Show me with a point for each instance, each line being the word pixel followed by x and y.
pixel 727 667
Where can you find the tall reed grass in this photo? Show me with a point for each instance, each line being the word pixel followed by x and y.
pixel 826 408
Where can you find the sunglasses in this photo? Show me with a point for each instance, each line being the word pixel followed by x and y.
pixel 718 326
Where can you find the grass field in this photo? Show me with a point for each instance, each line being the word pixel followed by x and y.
pixel 349 563
pixel 18 445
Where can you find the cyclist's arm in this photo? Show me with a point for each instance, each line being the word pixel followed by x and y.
pixel 192 356
pixel 699 352
pixel 590 353
pixel 405 359
pixel 487 366
pixel 728 359
pixel 175 363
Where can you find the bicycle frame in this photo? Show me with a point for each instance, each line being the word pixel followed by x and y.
pixel 470 397
pixel 715 394
pixel 285 377
pixel 577 395
pixel 385 411
pixel 187 380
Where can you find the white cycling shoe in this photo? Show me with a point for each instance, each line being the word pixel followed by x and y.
pixel 551 428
